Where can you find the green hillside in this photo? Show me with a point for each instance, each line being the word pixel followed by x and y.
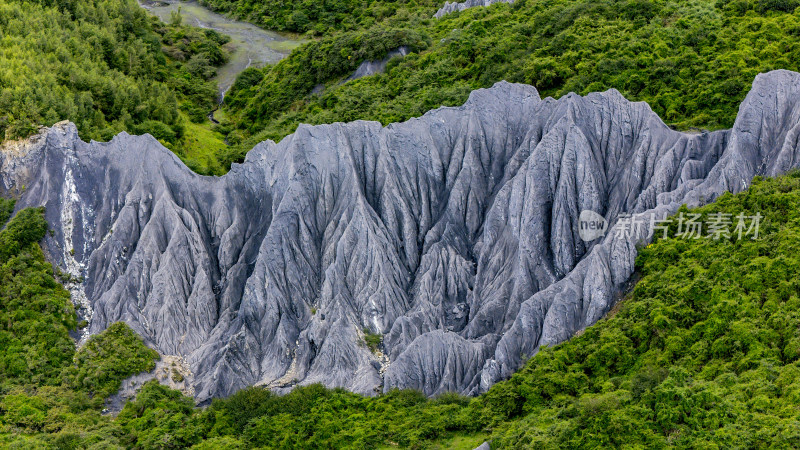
pixel 692 61
pixel 704 352
pixel 320 18
pixel 105 65
pixel 109 67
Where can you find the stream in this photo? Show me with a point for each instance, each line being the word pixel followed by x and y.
pixel 249 46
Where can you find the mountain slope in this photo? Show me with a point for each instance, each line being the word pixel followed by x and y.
pixel 107 66
pixel 453 236
pixel 691 61
pixel 704 351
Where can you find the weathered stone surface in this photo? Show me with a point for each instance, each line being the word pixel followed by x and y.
pixel 450 7
pixel 455 235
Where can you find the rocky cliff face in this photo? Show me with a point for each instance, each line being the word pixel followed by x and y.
pixel 454 236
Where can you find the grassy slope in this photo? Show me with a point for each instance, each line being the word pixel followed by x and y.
pixel 202 148
pixel 692 61
pixel 108 67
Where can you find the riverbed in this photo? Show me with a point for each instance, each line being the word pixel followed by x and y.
pixel 249 46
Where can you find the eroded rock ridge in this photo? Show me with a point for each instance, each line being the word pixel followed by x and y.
pixel 454 236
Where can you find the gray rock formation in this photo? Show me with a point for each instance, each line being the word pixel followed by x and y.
pixel 454 235
pixel 451 7
pixel 371 67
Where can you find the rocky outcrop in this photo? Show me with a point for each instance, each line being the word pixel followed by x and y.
pixel 451 7
pixel 171 371
pixel 454 236
pixel 371 67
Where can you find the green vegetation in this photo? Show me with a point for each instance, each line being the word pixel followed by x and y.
pixel 259 97
pixel 193 54
pixel 35 312
pixel 320 18
pixel 108 358
pixel 105 65
pixel 6 208
pixel 705 351
pixel 203 149
pixel 51 395
pixel 692 61
pixel 109 67
pixel 159 417
pixel 372 340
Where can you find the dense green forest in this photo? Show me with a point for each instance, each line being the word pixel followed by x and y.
pixel 321 18
pixel 703 352
pixel 692 61
pixel 105 65
pixel 108 66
